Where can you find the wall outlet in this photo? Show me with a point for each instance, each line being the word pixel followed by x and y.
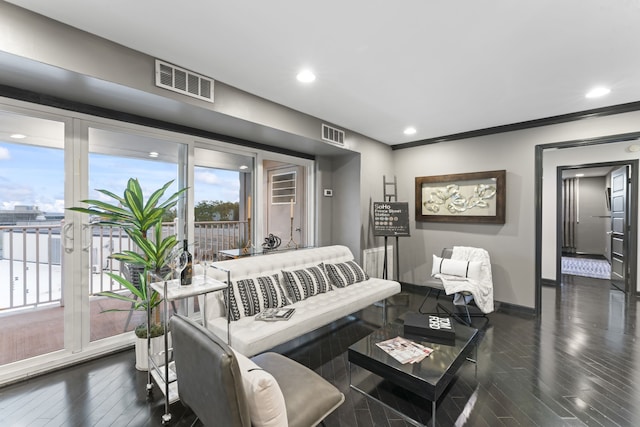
pixel 328 192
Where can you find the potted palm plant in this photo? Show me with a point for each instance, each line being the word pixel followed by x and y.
pixel 138 218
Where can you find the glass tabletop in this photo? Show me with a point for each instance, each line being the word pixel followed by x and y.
pixel 200 285
pixel 443 361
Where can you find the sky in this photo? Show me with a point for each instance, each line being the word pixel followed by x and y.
pixel 34 176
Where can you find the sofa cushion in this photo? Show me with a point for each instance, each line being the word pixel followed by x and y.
pixel 264 396
pixel 250 296
pixel 346 273
pixel 307 282
pixel 456 267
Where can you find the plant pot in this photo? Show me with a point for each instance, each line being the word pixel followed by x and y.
pixel 157 347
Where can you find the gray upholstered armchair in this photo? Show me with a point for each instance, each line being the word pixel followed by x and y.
pixel 224 388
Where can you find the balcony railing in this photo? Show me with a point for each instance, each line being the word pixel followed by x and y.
pixel 32 261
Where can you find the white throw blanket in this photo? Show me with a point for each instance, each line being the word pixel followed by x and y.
pixel 482 288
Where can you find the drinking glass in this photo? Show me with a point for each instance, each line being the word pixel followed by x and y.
pixel 173 260
pixel 206 260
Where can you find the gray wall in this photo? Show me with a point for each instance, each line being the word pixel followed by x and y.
pixel 376 162
pixel 512 245
pixel 591 231
pixel 324 206
pixel 346 202
pixel 356 180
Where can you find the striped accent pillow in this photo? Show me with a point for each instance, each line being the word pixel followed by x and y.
pixel 307 282
pixel 250 296
pixel 346 273
pixel 456 267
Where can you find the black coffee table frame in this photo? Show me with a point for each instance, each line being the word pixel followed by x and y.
pixel 428 378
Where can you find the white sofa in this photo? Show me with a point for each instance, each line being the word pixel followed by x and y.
pixel 250 336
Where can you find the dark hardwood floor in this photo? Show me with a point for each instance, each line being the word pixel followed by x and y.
pixel 578 365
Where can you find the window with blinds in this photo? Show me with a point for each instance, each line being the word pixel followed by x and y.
pixel 283 188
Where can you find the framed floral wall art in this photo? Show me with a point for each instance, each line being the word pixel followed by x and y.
pixel 477 197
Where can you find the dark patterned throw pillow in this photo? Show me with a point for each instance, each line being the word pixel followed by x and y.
pixel 250 296
pixel 346 273
pixel 304 283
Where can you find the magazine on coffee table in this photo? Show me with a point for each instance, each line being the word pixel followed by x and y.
pixel 404 350
pixel 275 314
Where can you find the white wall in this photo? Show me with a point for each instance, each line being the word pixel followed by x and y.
pixel 512 245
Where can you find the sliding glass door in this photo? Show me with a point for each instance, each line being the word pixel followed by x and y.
pixel 55 263
pixel 32 222
pixel 114 157
pixel 223 184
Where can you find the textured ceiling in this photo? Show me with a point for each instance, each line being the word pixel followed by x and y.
pixel 441 67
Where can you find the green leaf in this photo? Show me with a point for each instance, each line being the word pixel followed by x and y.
pixel 136 217
pixel 157 195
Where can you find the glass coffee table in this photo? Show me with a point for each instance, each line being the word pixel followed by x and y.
pixel 428 378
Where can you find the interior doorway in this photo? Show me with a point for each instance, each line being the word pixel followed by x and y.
pixel 616 149
pixel 285 215
pixel 594 222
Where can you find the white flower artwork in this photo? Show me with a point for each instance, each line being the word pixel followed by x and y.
pixel 475 197
pixel 457 199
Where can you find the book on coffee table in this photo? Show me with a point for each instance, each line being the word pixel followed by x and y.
pixel 434 328
pixel 404 350
pixel 275 314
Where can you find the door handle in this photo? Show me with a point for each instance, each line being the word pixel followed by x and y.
pixel 86 231
pixel 67 237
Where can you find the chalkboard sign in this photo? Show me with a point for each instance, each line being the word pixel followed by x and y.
pixel 391 219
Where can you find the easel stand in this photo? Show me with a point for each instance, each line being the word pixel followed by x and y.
pixel 292 243
pixel 384 265
pixel 247 247
pixel 390 197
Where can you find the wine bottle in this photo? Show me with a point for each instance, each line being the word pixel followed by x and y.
pixel 186 274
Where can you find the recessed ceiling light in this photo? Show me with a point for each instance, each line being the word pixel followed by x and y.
pixel 18 136
pixel 597 92
pixel 306 76
pixel 579 175
pixel 243 167
pixel 153 154
pixel 410 131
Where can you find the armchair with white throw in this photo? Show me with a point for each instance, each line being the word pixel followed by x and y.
pixel 465 272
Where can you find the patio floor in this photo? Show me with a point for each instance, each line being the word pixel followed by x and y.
pixel 32 332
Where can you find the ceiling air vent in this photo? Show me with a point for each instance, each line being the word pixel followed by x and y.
pixel 183 81
pixel 332 134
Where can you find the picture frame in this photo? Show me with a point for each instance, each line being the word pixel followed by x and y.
pixel 477 197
